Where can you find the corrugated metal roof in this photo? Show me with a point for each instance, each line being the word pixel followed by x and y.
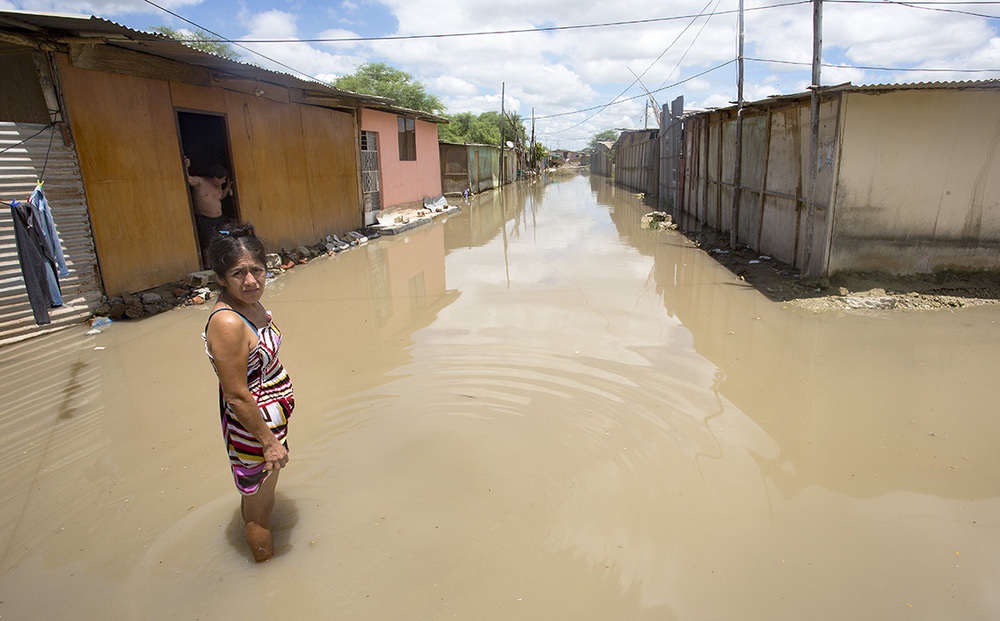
pixel 866 88
pixel 62 27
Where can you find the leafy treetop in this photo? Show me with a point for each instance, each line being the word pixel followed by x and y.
pixel 386 81
pixel 199 40
pixel 608 135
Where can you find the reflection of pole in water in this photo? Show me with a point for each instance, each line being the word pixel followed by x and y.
pixel 503 227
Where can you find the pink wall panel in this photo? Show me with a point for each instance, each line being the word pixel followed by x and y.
pixel 404 182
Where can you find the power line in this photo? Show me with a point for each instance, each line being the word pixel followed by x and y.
pixel 618 101
pixel 631 22
pixel 224 40
pixel 867 68
pixel 639 77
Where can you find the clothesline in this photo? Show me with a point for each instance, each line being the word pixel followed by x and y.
pixel 13 146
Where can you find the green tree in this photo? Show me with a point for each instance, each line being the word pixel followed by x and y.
pixel 386 81
pixel 608 135
pixel 466 127
pixel 199 40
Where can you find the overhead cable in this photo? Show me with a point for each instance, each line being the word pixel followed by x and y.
pixel 630 22
pixel 237 44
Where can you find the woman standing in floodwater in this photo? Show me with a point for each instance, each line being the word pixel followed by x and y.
pixel 255 392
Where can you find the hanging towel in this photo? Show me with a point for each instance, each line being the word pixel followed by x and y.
pixel 50 238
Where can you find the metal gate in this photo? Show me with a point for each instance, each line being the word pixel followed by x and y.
pixel 29 152
pixel 370 188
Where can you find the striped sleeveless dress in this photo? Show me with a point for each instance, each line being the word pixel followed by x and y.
pixel 271 388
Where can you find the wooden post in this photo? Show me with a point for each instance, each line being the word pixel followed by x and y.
pixel 503 177
pixel 531 157
pixel 734 218
pixel 813 134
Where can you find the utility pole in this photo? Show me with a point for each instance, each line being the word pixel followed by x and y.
pixel 734 219
pixel 503 86
pixel 645 116
pixel 813 134
pixel 534 161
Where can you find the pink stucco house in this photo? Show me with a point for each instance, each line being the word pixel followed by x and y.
pixel 400 159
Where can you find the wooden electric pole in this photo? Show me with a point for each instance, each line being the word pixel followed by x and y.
pixel 817 61
pixel 503 86
pixel 734 218
pixel 534 160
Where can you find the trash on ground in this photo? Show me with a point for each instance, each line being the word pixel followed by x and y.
pixel 657 220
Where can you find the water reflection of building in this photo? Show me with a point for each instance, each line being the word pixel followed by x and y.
pixel 485 217
pixel 408 279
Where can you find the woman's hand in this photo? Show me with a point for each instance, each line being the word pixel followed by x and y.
pixel 275 455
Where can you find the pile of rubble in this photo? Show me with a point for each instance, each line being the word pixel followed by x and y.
pixel 199 287
pixel 657 220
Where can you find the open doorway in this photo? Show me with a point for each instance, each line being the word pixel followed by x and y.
pixel 204 140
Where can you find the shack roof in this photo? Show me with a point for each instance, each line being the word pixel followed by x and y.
pixel 992 84
pixel 56 30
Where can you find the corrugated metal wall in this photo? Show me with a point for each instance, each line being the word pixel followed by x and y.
pixel 775 175
pixel 600 161
pixel 484 167
pixel 671 154
pixel 25 150
pixel 637 163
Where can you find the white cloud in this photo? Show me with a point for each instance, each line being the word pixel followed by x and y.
pixel 101 8
pixel 577 69
pixel 450 86
pixel 297 54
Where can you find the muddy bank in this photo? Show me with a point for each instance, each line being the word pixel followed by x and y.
pixel 853 291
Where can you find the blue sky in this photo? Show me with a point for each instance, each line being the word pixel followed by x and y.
pixel 571 70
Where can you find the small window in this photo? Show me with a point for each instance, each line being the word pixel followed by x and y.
pixel 407 139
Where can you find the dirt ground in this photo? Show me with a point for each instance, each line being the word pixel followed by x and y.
pixel 851 292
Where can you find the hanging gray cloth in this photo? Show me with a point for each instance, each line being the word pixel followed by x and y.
pixel 51 239
pixel 36 259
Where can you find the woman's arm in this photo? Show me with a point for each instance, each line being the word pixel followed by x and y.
pixel 230 344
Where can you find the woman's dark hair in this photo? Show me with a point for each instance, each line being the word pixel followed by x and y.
pixel 231 244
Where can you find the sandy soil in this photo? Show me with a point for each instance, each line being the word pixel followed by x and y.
pixel 851 292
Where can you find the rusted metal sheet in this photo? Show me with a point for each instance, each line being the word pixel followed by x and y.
pixel 487 169
pixel 30 152
pixel 454 168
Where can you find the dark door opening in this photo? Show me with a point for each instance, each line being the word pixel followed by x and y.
pixel 205 141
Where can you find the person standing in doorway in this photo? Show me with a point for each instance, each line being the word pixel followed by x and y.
pixel 255 391
pixel 207 193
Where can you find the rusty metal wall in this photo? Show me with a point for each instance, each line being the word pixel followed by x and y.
pixel 484 167
pixel 25 151
pixel 454 168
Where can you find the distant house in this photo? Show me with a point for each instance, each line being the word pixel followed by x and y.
pixel 400 159
pixel 907 179
pixel 567 156
pixel 105 115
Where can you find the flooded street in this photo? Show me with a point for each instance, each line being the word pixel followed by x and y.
pixel 532 410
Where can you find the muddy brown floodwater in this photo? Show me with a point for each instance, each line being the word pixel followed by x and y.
pixel 534 409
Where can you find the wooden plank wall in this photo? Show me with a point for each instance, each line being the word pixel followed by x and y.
pixel 295 167
pixel 131 164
